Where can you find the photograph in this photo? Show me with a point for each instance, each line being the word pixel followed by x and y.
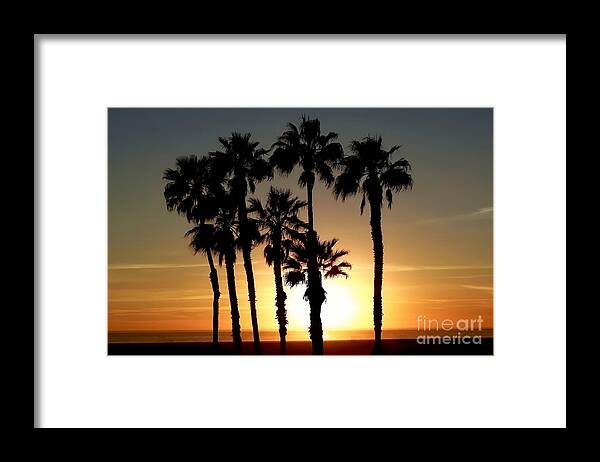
pixel 306 232
pixel 300 231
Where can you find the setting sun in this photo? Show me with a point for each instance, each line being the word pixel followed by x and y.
pixel 340 310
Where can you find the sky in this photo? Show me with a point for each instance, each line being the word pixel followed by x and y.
pixel 438 260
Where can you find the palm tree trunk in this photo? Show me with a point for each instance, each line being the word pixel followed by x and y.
pixel 247 257
pixel 280 298
pixel 233 301
pixel 315 292
pixel 316 326
pixel 377 236
pixel 309 197
pixel 214 282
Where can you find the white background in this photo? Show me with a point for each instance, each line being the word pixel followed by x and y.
pixel 523 384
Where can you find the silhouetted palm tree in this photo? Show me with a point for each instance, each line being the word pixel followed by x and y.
pixel 192 192
pixel 241 164
pixel 317 155
pixel 279 219
pixel 202 239
pixel 328 265
pixel 224 238
pixel 371 171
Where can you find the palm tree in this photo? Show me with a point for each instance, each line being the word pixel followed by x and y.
pixel 371 172
pixel 281 225
pixel 328 265
pixel 191 191
pixel 317 154
pixel 241 164
pixel 223 236
pixel 202 240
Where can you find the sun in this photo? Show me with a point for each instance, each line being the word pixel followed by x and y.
pixel 339 311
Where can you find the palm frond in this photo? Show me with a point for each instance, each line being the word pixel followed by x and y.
pixel 326 139
pixel 260 169
pixel 202 237
pixel 346 185
pixel 396 179
pixel 294 278
pixel 335 271
pixel 268 253
pixel 190 188
pixel 292 264
pixel 362 203
pixel 335 256
pixel 284 158
pixel 331 153
pixel 279 220
pixel 325 173
pixel 317 154
pixel 389 197
pixel 306 178
pixel 371 162
pixel 393 149
pixel 255 206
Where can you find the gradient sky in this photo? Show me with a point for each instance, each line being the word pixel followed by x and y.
pixel 437 237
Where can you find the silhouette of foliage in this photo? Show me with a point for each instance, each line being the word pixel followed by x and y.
pixel 317 154
pixel 307 147
pixel 370 171
pixel 329 260
pixel 240 164
pixel 278 218
pixel 191 188
pixel 192 191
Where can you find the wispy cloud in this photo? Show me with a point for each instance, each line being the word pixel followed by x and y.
pixel 448 300
pixel 364 267
pixel 167 266
pixel 159 299
pixel 466 276
pixel 400 268
pixel 478 287
pixel 481 213
pixel 138 266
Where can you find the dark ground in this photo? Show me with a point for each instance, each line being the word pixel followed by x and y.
pixel 332 347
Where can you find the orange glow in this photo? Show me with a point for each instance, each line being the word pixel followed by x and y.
pixel 438 252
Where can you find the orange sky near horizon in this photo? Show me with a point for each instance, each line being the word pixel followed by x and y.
pixel 437 237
